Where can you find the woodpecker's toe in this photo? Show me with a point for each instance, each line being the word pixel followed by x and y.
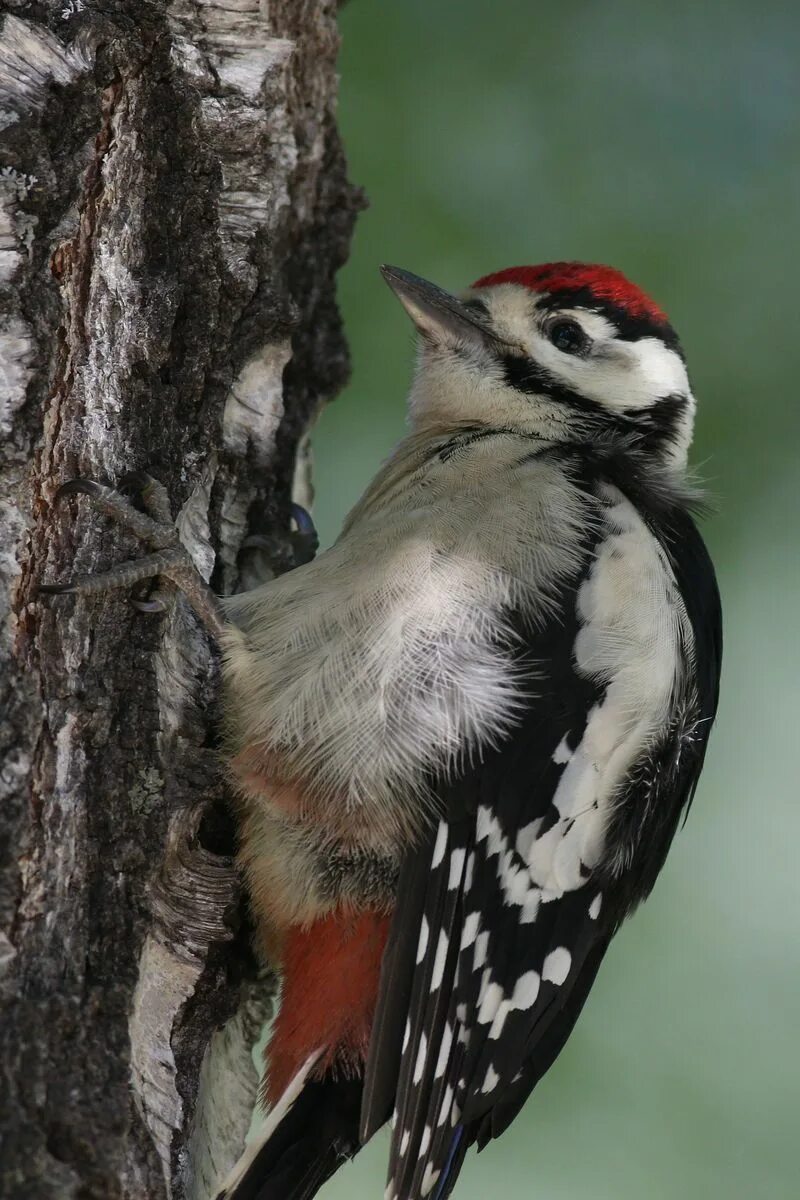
pixel 303 520
pixel 156 605
pixel 303 538
pixel 151 493
pixel 56 589
pixel 79 487
pixel 306 539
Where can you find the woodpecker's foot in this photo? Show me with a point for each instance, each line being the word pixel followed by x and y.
pixel 303 537
pixel 169 559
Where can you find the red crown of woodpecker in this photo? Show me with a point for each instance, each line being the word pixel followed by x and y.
pixel 602 283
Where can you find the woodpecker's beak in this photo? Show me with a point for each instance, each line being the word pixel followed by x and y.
pixel 439 317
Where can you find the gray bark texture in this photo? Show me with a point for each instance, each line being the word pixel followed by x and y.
pixel 173 209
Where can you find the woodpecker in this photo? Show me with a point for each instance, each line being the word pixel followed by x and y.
pixel 463 737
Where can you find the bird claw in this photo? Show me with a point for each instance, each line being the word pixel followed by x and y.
pixel 306 538
pixel 153 495
pixel 169 558
pixel 78 487
pixel 303 520
pixel 55 589
pixel 156 605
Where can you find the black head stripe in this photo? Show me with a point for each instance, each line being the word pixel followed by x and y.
pixel 662 420
pixel 529 377
pixel 658 424
pixel 629 328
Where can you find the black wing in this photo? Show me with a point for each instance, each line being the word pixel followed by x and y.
pixel 488 967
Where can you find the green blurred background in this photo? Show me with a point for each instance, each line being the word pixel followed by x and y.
pixel 661 138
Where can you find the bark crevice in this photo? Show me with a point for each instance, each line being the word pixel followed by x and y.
pixel 173 209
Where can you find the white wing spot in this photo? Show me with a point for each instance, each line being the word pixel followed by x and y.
pixel 456 868
pixel 419 1066
pixel 424 931
pixel 441 843
pixel 404 1140
pixel 530 907
pixel 526 837
pixel 490 1003
pixel 481 950
pixel 500 1020
pixel 526 990
pixel 444 1111
pixel 470 930
pixel 524 996
pixel 491 1081
pixel 516 884
pixel 429 1180
pixel 594 907
pixel 439 961
pixel 406 1035
pixel 557 965
pixel 444 1050
pixel 425 1140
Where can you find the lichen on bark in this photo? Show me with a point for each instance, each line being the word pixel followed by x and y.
pixel 173 209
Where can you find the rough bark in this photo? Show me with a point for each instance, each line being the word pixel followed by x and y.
pixel 173 208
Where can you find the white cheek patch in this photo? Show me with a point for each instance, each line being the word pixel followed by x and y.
pixel 619 375
pixel 658 368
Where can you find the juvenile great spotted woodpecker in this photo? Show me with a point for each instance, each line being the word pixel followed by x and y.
pixel 463 737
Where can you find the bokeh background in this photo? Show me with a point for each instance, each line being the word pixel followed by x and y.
pixel 661 138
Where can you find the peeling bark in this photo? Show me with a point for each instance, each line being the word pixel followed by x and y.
pixel 173 209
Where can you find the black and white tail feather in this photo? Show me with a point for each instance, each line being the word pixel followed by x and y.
pixel 310 1132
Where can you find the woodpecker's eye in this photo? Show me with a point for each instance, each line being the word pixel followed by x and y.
pixel 568 337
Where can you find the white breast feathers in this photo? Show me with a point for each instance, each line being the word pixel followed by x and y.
pixel 390 654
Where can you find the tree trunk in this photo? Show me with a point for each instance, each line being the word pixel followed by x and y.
pixel 173 208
